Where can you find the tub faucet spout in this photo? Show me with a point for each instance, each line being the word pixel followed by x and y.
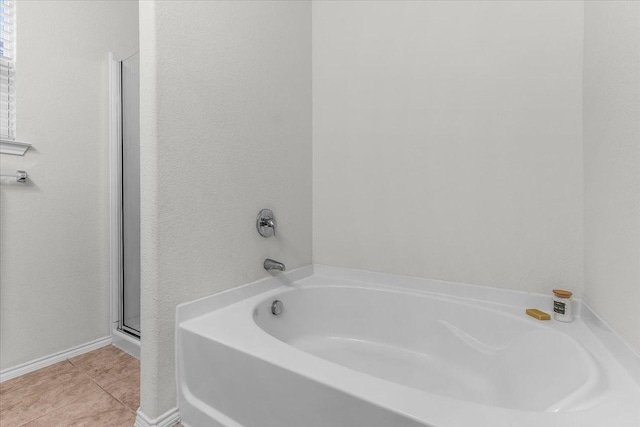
pixel 270 264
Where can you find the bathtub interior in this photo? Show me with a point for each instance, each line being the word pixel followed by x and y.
pixel 437 345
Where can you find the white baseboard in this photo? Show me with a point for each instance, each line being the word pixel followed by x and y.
pixel 126 343
pixel 43 362
pixel 168 419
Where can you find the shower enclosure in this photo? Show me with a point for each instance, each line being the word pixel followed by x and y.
pixel 125 199
pixel 130 93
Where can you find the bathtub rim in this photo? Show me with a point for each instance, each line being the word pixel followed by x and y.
pixel 620 349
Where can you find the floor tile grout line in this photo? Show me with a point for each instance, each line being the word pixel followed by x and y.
pixel 55 409
pixel 110 394
pixel 103 387
pixel 65 405
pixel 112 382
pixel 122 352
pixel 82 372
pixel 72 402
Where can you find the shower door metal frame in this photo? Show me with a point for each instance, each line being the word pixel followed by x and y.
pixel 121 335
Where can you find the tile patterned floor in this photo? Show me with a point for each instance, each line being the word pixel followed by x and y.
pixel 100 388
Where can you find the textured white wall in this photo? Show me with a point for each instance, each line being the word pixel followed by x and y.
pixel 612 164
pixel 54 250
pixel 225 131
pixel 447 140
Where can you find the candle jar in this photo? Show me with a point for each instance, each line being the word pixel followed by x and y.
pixel 562 305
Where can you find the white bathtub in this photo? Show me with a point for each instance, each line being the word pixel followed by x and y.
pixel 352 348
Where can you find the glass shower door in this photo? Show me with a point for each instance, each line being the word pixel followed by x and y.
pixel 130 87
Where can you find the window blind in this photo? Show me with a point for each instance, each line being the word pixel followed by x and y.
pixel 7 69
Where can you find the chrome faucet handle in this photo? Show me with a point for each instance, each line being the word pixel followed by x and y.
pixel 271 222
pixel 266 223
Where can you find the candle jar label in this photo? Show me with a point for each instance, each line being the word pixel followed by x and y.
pixel 559 307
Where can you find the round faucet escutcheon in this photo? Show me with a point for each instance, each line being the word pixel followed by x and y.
pixel 266 223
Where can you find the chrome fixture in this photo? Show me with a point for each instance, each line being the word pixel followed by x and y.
pixel 266 223
pixel 20 176
pixel 270 264
pixel 276 307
